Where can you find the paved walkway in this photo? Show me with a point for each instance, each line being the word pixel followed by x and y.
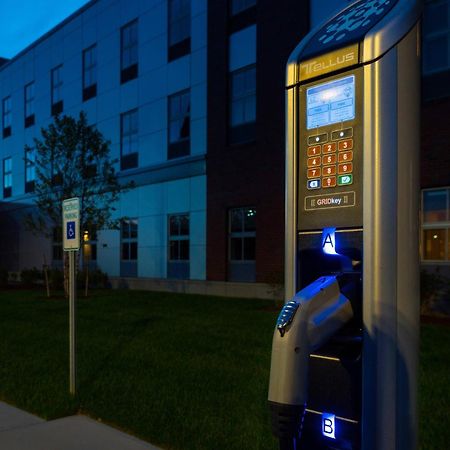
pixel 20 430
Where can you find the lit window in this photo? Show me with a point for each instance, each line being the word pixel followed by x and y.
pixel 436 225
pixel 129 52
pixel 129 139
pixel 436 36
pixel 179 28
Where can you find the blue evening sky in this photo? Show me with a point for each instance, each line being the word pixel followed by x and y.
pixel 24 21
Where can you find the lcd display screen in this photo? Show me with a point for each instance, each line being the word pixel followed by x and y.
pixel 330 102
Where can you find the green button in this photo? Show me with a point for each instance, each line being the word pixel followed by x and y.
pixel 343 180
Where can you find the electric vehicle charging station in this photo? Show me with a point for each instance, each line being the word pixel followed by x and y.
pixel 345 346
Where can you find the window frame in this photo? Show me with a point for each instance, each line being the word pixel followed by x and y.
pixel 89 90
pixel 435 225
pixel 177 238
pixel 30 165
pixel 129 71
pixel 180 147
pixel 130 240
pixel 28 104
pixel 7 177
pixel 242 235
pixel 7 116
pixel 178 47
pixel 129 160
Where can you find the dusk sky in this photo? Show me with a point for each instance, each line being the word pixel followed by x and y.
pixel 22 22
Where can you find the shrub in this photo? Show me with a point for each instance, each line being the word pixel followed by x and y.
pixel 97 279
pixel 3 277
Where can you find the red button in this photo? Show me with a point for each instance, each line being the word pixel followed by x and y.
pixel 345 145
pixel 328 182
pixel 329 148
pixel 345 168
pixel 314 151
pixel 313 162
pixel 329 170
pixel 345 156
pixel 329 159
pixel 314 173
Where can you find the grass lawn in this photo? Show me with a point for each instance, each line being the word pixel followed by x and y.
pixel 183 372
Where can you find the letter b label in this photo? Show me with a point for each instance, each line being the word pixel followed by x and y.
pixel 328 427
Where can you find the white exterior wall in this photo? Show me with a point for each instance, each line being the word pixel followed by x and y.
pixel 151 201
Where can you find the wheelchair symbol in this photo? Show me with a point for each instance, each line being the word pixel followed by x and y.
pixel 70 230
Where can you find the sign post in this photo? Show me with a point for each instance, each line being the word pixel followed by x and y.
pixel 71 240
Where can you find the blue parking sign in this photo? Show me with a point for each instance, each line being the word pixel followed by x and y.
pixel 70 230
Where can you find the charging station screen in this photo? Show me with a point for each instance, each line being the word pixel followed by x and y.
pixel 330 102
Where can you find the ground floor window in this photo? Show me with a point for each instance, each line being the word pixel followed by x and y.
pixel 178 246
pixel 128 247
pixel 242 244
pixel 436 224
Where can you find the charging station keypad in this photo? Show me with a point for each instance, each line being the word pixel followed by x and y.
pixel 330 163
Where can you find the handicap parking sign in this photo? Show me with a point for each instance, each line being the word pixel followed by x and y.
pixel 71 224
pixel 70 230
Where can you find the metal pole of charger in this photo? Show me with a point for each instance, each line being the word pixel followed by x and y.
pixel 72 323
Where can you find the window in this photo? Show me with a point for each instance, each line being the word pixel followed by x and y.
pixel 90 72
pixel 242 105
pixel 179 28
pixel 242 244
pixel 56 89
pixel 178 253
pixel 30 169
pixel 129 52
pixel 129 236
pixel 7 177
pixel 6 117
pixel 179 125
pixel 29 104
pixel 436 36
pixel 129 139
pixel 57 250
pixel 238 6
pixel 179 237
pixel 436 225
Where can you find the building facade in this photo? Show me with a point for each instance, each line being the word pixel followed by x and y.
pixel 190 94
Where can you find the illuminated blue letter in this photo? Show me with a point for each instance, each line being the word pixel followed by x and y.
pixel 329 241
pixel 328 428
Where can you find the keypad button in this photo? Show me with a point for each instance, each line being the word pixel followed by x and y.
pixel 342 134
pixel 313 184
pixel 318 139
pixel 345 145
pixel 344 180
pixel 345 156
pixel 314 173
pixel 329 182
pixel 329 159
pixel 329 170
pixel 314 162
pixel 314 151
pixel 329 148
pixel 345 168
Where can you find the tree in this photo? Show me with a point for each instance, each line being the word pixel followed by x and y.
pixel 72 160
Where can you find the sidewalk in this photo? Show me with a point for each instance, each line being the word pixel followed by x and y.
pixel 20 430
